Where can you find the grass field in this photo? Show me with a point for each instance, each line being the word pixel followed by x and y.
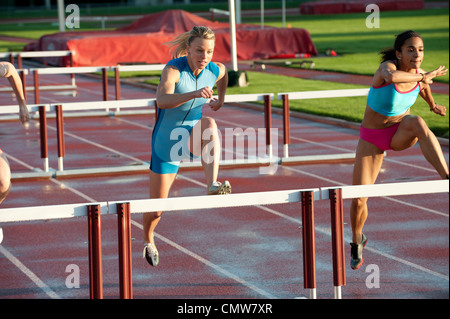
pixel 347 34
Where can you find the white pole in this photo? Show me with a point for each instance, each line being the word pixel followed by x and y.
pixel 262 14
pixel 337 292
pixel 312 293
pixel 283 13
pixel 238 12
pixel 233 35
pixel 61 16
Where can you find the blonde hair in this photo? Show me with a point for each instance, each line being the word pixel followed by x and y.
pixel 180 44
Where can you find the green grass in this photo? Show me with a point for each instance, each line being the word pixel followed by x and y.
pixel 358 46
pixel 9 46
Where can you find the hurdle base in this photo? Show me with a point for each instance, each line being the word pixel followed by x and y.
pixel 28 176
pixel 337 292
pixel 258 161
pixel 318 158
pixel 100 171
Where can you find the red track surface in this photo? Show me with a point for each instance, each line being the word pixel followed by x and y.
pixel 252 252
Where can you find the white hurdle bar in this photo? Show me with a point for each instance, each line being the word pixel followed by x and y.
pixel 70 70
pixel 36 54
pixel 305 196
pixel 132 68
pixel 136 103
pixel 287 96
pixel 89 106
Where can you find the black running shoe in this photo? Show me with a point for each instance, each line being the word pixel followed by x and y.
pixel 356 253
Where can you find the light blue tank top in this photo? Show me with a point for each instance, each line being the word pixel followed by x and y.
pixel 191 110
pixel 186 115
pixel 389 101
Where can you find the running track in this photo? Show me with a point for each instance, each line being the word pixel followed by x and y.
pixel 239 253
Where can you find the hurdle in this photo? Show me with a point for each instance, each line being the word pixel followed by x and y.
pixel 93 211
pixel 306 197
pixel 90 106
pixel 69 70
pixel 36 54
pixel 143 103
pixel 286 97
pixel 24 72
pixel 336 195
pixel 132 68
pixel 83 108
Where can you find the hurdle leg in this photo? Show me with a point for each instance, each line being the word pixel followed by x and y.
pixel 60 136
pixel 95 252
pixel 125 268
pixel 19 61
pixel 337 240
pixel 309 246
pixel 268 124
pixel 105 84
pixel 286 125
pixel 117 80
pixel 43 135
pixel 72 75
pixel 11 59
pixel 36 86
pixel 24 83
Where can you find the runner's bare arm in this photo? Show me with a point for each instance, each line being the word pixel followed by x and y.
pixel 7 70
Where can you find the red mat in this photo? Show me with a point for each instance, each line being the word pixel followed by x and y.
pixel 143 41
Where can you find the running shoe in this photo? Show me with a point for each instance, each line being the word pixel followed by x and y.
pixel 356 253
pixel 218 188
pixel 1 235
pixel 151 254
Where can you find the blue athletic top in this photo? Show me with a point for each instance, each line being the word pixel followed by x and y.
pixel 389 101
pixel 173 126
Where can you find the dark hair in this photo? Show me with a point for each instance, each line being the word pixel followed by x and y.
pixel 389 53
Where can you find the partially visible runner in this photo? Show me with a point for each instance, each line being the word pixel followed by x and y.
pixel 388 125
pixel 7 70
pixel 185 86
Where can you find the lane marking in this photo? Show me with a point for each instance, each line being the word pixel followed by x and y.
pixel 209 264
pixel 32 276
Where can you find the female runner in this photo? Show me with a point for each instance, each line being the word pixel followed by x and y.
pixel 388 125
pixel 181 132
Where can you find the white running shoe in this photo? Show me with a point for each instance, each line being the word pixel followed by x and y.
pixel 151 254
pixel 1 235
pixel 218 188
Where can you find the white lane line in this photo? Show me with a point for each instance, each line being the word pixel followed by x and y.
pixel 209 264
pixel 32 276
